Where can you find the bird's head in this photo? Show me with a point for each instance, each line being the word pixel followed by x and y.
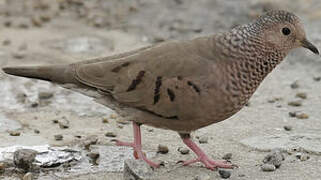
pixel 284 31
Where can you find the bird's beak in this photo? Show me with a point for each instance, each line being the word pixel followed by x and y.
pixel 305 43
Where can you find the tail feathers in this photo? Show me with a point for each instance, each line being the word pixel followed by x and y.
pixel 55 73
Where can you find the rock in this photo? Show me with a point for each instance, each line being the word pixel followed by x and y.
pixel 301 95
pixel 27 176
pixel 94 157
pixel 227 156
pixel 292 114
pixel 23 158
pixel 302 116
pixel 295 85
pixel 122 121
pixel 21 97
pixel 2 167
pixel 91 140
pixel 317 78
pixel 202 177
pixel 6 42
pixel 203 140
pixel 55 121
pixel 295 103
pixel 275 99
pixel 63 123
pixel 58 137
pixel 137 170
pixel 268 167
pixel 105 120
pixel 287 128
pixel 183 150
pixel 110 134
pixel 275 157
pixel 302 157
pixel 36 131
pixel 34 104
pixel 14 133
pixel 224 174
pixel 162 149
pixel 45 95
pixel 36 21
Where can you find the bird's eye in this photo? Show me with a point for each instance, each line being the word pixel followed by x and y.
pixel 286 31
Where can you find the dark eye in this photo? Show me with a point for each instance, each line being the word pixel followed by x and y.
pixel 286 31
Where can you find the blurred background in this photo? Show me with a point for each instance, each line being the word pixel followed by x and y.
pixel 284 113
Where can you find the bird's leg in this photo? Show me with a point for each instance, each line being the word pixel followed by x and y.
pixel 201 156
pixel 137 146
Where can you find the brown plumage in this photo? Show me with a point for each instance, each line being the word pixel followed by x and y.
pixel 185 85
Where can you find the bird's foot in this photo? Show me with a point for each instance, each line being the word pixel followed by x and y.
pixel 210 164
pixel 138 153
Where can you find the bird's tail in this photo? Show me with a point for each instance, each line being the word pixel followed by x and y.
pixel 55 73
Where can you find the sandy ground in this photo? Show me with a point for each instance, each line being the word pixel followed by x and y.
pixel 70 32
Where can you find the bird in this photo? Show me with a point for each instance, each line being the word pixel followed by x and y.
pixel 183 85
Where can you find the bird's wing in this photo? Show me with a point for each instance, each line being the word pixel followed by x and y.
pixel 159 79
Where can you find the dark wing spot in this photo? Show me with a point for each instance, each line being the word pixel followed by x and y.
pixel 136 81
pixel 158 84
pixel 195 87
pixel 117 68
pixel 171 94
pixel 159 115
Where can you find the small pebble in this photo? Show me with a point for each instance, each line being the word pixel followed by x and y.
pixel 295 103
pixel 27 176
pixel 162 149
pixel 287 128
pixel 90 141
pixel 45 95
pixel 224 174
pixel 36 131
pixel 120 126
pixel 268 167
pixel 275 157
pixel 292 114
pixel 122 121
pixel 93 156
pixel 318 78
pixel 227 156
pixel 34 104
pixel 55 121
pixel 302 116
pixel 203 140
pixel 7 23
pixel 2 166
pixel 183 150
pixel 295 85
pixel 105 120
pixel 110 134
pixel 301 95
pixel 6 42
pixel 302 157
pixel 23 158
pixel 63 123
pixel 58 137
pixel 14 133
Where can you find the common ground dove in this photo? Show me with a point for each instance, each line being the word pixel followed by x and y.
pixel 183 85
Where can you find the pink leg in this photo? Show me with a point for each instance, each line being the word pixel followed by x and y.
pixel 137 145
pixel 202 157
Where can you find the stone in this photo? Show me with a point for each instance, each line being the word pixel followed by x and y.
pixel 295 103
pixel 14 133
pixel 301 95
pixel 227 156
pixel 224 173
pixel 162 149
pixel 295 85
pixel 302 116
pixel 36 131
pixel 63 123
pixel 317 78
pixel 6 42
pixel 137 170
pixel 287 128
pixel 23 158
pixel 275 157
pixel 183 150
pixel 268 167
pixel 105 120
pixel 203 140
pixel 58 137
pixel 94 157
pixel 19 54
pixel 110 134
pixel 302 156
